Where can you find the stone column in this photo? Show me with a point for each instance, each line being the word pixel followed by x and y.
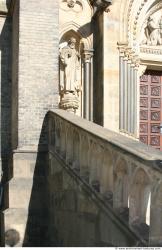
pixel 121 86
pixel 87 86
pixel 129 90
pixel 125 93
pixel 132 103
pixel 136 96
pixel 98 20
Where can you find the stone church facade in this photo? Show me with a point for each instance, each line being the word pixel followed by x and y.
pixel 62 61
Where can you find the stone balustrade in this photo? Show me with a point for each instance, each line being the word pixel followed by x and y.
pixel 126 173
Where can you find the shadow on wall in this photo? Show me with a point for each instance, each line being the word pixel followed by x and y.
pixel 37 222
pixel 5 111
pixel 5 57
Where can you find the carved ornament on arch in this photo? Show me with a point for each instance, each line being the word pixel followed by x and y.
pixel 138 6
pixel 71 5
pixel 136 24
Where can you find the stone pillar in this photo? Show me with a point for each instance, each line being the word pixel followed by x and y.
pixel 129 83
pixel 98 23
pixel 88 87
pixel 121 86
pixel 125 93
pixel 132 104
pixel 128 102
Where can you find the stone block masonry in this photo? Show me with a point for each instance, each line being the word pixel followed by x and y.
pixel 38 67
pixel 35 44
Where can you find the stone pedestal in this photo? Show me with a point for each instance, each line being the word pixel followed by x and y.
pixel 69 102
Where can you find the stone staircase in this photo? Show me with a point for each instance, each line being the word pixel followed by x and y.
pixel 123 173
pixel 91 187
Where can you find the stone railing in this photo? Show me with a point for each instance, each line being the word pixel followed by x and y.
pixel 126 173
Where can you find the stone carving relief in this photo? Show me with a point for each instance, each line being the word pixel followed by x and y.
pixel 153 31
pixel 70 74
pixel 71 5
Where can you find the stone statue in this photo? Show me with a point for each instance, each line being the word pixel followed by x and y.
pixel 70 77
pixel 152 32
pixel 69 68
pixel 71 3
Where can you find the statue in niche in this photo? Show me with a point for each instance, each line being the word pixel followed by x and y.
pixel 153 32
pixel 70 68
pixel 71 3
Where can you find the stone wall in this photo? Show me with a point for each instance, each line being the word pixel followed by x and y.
pixel 38 67
pixel 34 91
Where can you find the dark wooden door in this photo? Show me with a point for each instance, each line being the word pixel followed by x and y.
pixel 151 108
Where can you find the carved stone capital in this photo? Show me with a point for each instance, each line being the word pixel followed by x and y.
pixel 87 55
pixel 101 5
pixel 122 47
pixel 137 62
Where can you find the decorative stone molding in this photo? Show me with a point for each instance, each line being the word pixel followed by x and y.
pixel 133 27
pixel 69 102
pixel 122 47
pixel 72 5
pixel 87 55
pixel 151 50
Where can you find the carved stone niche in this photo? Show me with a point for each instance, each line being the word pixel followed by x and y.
pixel 70 72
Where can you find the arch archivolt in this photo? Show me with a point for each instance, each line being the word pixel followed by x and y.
pixel 133 18
pixel 140 48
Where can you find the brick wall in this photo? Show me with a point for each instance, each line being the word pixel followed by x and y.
pixel 38 67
